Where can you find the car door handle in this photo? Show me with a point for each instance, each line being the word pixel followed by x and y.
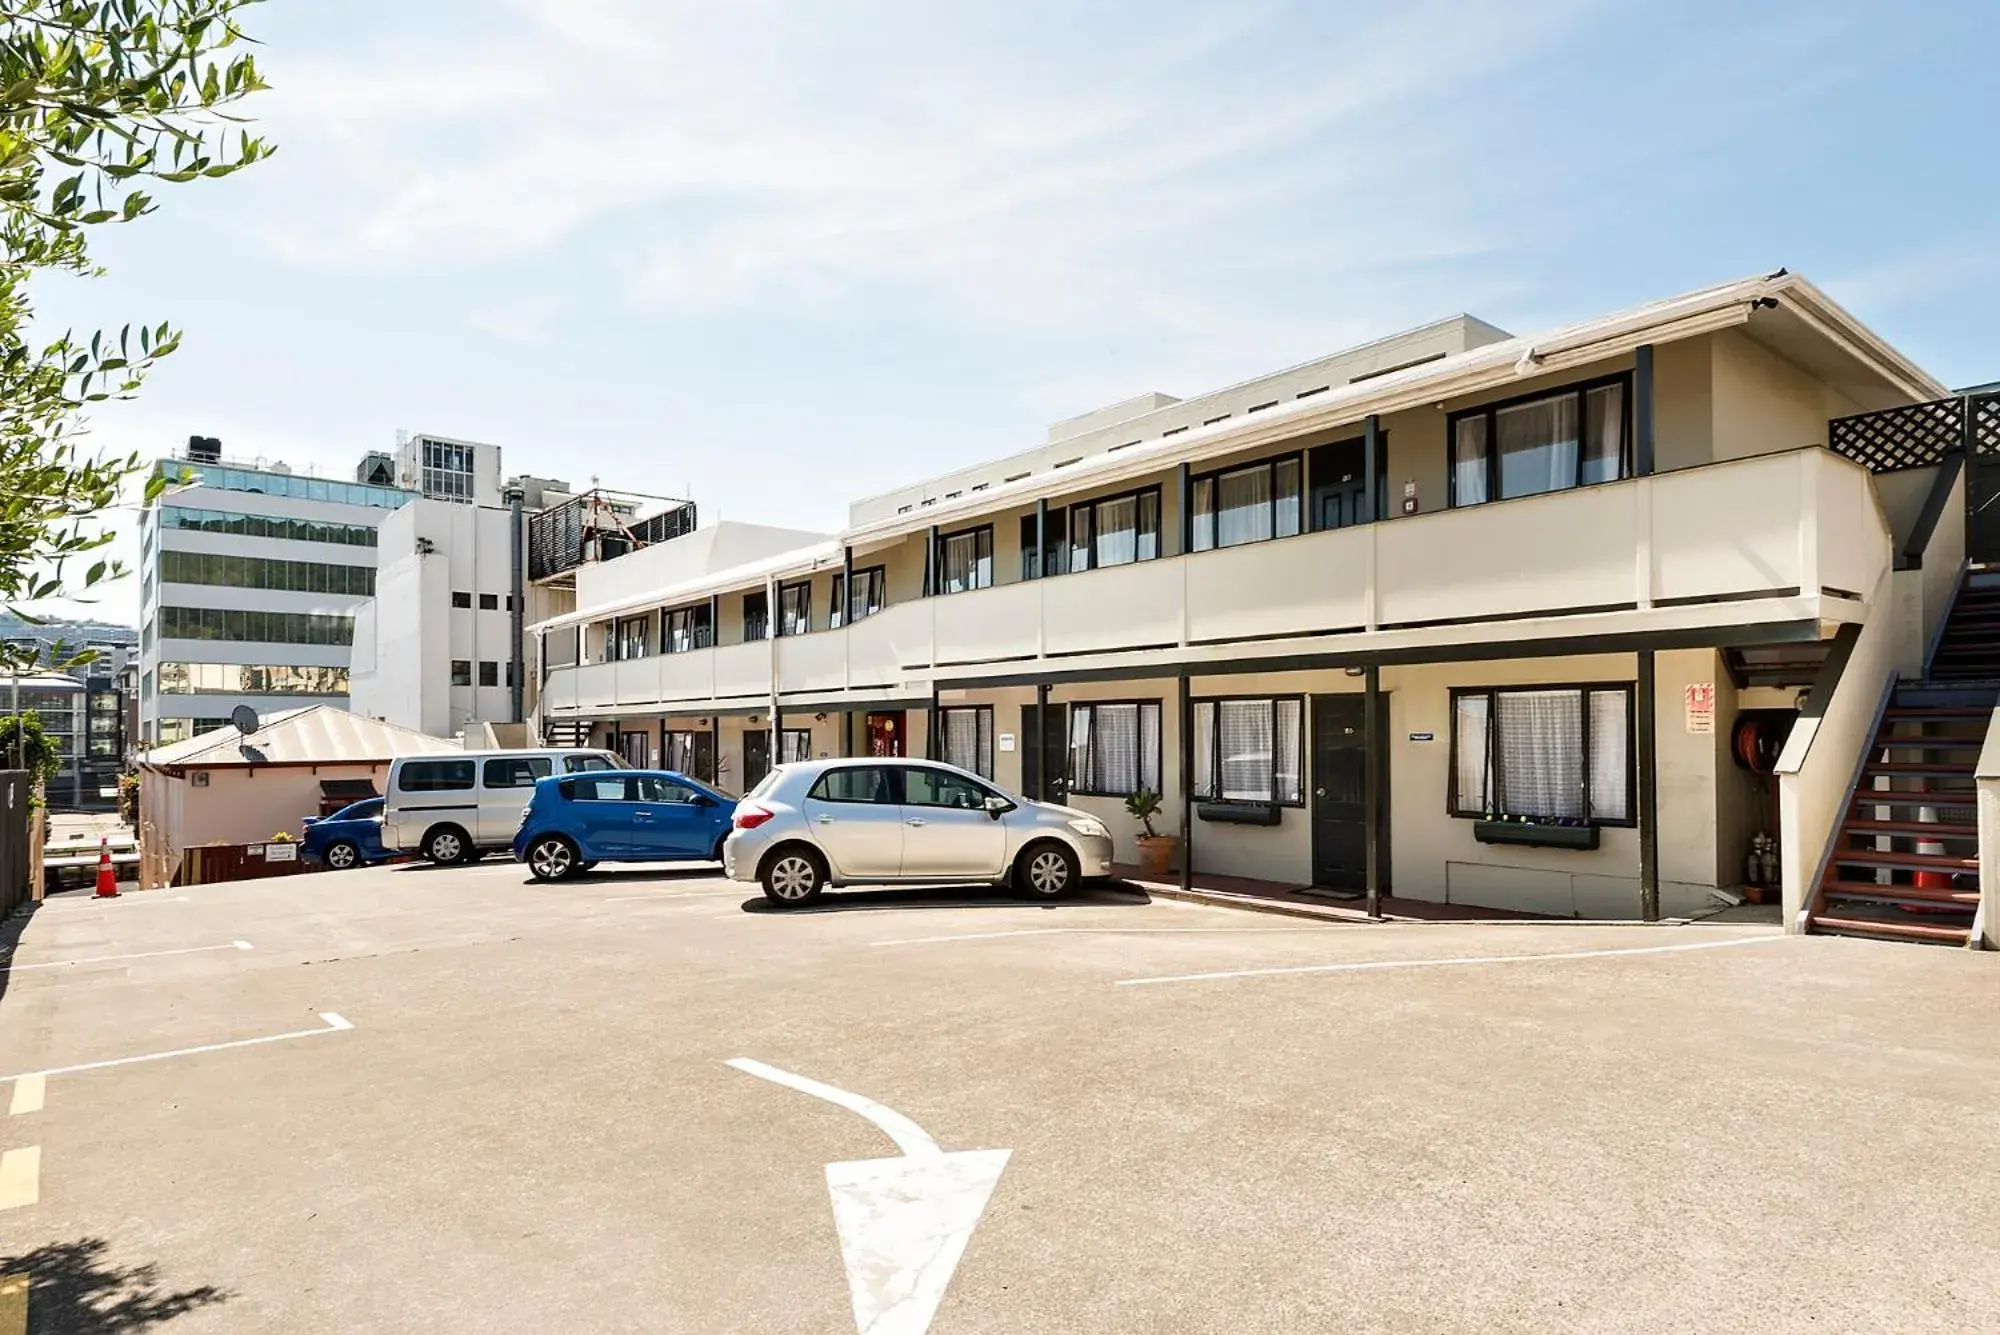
pixel 642 815
pixel 914 820
pixel 826 820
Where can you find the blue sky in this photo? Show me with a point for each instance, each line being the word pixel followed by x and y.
pixel 779 255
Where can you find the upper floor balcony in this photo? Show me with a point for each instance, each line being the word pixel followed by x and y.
pixel 1794 537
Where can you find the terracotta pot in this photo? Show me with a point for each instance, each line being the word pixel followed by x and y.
pixel 1156 851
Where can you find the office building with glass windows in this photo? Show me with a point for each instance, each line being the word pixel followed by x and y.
pixel 249 577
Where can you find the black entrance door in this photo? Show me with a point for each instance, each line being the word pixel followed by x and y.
pixel 1340 483
pixel 1055 745
pixel 1340 792
pixel 756 756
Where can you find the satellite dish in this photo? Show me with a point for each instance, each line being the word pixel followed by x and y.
pixel 245 719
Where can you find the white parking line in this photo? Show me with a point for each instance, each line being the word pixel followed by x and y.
pixel 107 959
pixel 20 1177
pixel 334 1024
pixel 678 894
pixel 1100 931
pixel 127 898
pixel 29 1091
pixel 1373 965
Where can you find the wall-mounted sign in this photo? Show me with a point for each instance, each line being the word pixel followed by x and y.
pixel 1423 736
pixel 1006 741
pixel 1699 700
pixel 281 852
pixel 1410 497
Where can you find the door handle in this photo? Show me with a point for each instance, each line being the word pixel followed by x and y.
pixel 914 820
pixel 1319 792
pixel 826 820
pixel 642 815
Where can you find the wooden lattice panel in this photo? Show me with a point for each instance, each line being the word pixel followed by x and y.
pixel 1986 424
pixel 1915 436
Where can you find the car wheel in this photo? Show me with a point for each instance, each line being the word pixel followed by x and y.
pixel 552 858
pixel 793 876
pixel 1046 871
pixel 342 855
pixel 446 845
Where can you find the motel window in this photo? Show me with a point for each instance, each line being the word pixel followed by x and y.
pixel 795 608
pixel 1114 531
pixel 461 599
pixel 1114 748
pixel 1249 750
pixel 692 754
pixel 489 602
pixel 686 628
pixel 968 738
pixel 633 638
pixel 489 672
pixel 1550 442
pixel 1546 753
pixel 1251 504
pixel 870 589
pixel 794 745
pixel 461 672
pixel 965 561
pixel 756 617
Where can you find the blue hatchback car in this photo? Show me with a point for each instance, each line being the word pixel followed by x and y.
pixel 350 837
pixel 575 821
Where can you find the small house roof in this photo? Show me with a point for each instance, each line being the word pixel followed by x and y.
pixel 313 735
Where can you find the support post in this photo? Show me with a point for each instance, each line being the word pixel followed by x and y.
pixel 1371 471
pixel 846 613
pixel 1041 793
pixel 1642 411
pixel 1649 803
pixel 931 748
pixel 777 734
pixel 930 561
pixel 714 623
pixel 1184 497
pixel 1186 748
pixel 517 609
pixel 1041 537
pixel 1372 743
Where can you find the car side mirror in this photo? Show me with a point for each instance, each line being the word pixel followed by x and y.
pixel 997 806
pixel 703 800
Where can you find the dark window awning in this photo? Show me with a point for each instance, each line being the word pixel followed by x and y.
pixel 347 790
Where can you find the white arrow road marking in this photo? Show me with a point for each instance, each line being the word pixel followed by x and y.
pixel 903 1222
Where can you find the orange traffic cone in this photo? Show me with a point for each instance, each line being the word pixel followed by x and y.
pixel 107 879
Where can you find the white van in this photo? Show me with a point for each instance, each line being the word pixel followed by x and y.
pixel 452 808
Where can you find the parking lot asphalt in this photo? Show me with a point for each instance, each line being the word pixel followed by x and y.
pixel 410 1099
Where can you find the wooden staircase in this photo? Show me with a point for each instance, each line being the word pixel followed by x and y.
pixel 1905 864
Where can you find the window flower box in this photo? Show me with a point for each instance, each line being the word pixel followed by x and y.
pixel 1238 813
pixel 1534 834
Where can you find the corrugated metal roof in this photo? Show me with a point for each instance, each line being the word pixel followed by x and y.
pixel 316 734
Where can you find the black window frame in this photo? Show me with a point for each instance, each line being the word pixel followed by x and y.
pixel 1585 688
pixel 1579 390
pixel 489 602
pixel 1153 782
pixel 937 559
pixel 786 738
pixel 1215 797
pixel 983 737
pixel 795 596
pixel 1059 554
pixel 461 672
pixel 700 628
pixel 630 650
pixel 462 599
pixel 489 672
pixel 757 622
pixel 1213 478
pixel 873 579
pixel 668 747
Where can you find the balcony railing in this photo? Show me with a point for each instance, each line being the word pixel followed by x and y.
pixel 1782 525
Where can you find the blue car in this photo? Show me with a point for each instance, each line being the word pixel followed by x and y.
pixel 575 821
pixel 350 837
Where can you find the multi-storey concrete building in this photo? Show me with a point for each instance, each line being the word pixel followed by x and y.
pixel 1556 623
pixel 249 577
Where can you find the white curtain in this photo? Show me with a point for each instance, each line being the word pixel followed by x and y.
pixel 1537 756
pixel 1610 755
pixel 1290 732
pixel 968 561
pixel 1604 434
pixel 1468 462
pixel 1290 507
pixel 1244 510
pixel 1118 531
pixel 1470 729
pixel 1538 446
pixel 1246 748
pixel 1204 748
pixel 1203 506
pixel 968 740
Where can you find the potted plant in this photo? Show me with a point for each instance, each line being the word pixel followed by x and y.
pixel 1156 850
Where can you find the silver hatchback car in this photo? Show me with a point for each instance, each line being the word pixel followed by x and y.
pixel 881 821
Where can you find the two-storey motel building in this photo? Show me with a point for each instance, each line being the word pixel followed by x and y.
pixel 1456 615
